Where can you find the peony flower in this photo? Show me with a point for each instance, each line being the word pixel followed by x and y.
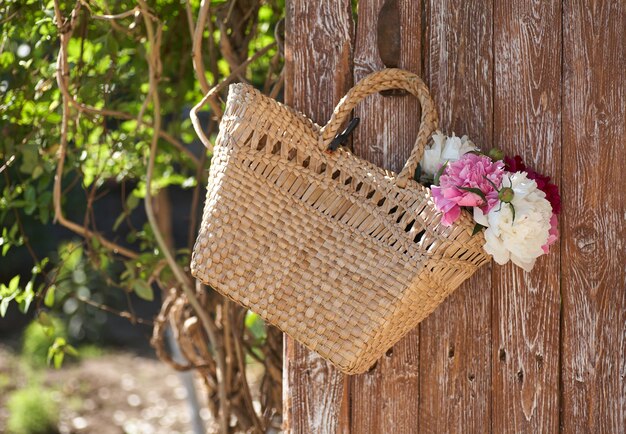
pixel 550 189
pixel 516 164
pixel 471 172
pixel 553 235
pixel 444 149
pixel 521 237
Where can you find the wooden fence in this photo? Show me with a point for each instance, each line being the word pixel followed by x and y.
pixel 509 351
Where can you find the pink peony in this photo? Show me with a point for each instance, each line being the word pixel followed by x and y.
pixel 471 171
pixel 553 234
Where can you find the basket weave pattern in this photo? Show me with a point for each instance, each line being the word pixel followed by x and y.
pixel 343 256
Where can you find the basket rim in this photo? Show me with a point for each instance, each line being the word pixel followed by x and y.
pixel 314 131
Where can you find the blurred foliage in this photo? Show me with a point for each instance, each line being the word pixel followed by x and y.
pixel 32 410
pixel 46 341
pixel 104 252
pixel 39 338
pixel 108 70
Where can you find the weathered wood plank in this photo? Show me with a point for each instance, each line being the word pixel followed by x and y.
pixel 525 356
pixel 386 400
pixel 455 341
pixel 318 63
pixel 594 252
pixel 388 125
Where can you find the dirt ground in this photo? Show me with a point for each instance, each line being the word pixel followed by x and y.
pixel 109 394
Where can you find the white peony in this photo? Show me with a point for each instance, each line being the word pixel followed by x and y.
pixel 444 149
pixel 518 240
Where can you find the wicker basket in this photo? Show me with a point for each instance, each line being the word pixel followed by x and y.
pixel 341 255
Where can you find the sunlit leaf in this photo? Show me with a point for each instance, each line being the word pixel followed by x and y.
pixel 49 298
pixel 14 283
pixel 27 297
pixel 58 359
pixel 70 350
pixel 4 305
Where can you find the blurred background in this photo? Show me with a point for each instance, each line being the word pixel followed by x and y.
pixel 102 179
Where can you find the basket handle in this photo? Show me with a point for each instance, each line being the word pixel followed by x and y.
pixel 387 79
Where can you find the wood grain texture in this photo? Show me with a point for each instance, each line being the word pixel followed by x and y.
pixel 389 125
pixel 455 341
pixel 318 53
pixel 594 252
pixel 543 79
pixel 386 399
pixel 526 306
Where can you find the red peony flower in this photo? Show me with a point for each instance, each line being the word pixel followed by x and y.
pixel 516 164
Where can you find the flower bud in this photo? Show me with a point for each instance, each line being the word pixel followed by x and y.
pixel 506 194
pixel 496 154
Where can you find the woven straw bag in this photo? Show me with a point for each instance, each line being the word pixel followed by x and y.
pixel 341 255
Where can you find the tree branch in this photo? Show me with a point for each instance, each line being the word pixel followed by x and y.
pixel 198 63
pixel 154 65
pixel 121 313
pixel 85 108
pixel 211 95
pixel 65 31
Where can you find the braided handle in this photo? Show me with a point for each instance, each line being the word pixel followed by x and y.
pixel 387 79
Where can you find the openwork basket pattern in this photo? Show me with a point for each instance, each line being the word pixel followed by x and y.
pixel 342 255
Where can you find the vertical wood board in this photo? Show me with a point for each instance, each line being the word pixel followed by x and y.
pixel 318 59
pixel 593 384
pixel 455 341
pixel 543 79
pixel 386 399
pixel 526 306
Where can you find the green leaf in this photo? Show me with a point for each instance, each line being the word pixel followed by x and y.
pixel 27 297
pixel 70 350
pixel 31 200
pixel 495 187
pixel 30 158
pixel 71 255
pixel 95 242
pixel 440 172
pixel 6 59
pixel 37 268
pixel 14 283
pixel 111 43
pixel 118 221
pixel 476 191
pixel 18 203
pixel 58 359
pixel 25 63
pixel 143 290
pixel 49 298
pixel 44 214
pixel 57 351
pixel 37 171
pixel 132 201
pixel 477 228
pixel 4 305
pixel 418 173
pixel 255 324
pixel 512 212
